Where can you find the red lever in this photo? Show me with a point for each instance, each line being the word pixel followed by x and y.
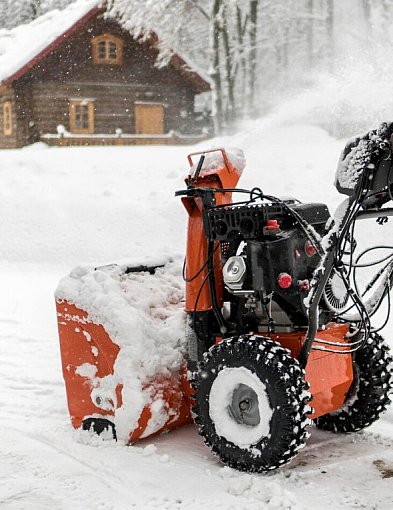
pixel 304 285
pixel 310 249
pixel 272 225
pixel 284 280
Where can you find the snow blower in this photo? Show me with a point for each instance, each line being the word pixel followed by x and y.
pixel 275 316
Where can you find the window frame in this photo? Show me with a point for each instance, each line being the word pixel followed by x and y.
pixel 73 104
pixel 107 39
pixel 7 118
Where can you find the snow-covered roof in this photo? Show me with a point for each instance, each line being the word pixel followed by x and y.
pixel 23 46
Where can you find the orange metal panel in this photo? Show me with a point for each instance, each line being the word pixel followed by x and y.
pixel 83 342
pixel 330 378
pixel 329 374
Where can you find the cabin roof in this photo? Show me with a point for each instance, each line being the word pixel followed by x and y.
pixel 24 46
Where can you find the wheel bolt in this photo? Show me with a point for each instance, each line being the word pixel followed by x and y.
pixel 244 405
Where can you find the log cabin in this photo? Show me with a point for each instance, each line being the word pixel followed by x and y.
pixel 76 77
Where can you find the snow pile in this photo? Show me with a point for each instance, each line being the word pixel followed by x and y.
pixel 143 314
pixel 23 43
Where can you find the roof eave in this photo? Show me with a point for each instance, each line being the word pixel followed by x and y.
pixel 199 83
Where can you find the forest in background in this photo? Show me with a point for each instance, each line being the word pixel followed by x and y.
pixel 330 58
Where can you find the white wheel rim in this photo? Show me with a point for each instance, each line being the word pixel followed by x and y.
pixel 224 394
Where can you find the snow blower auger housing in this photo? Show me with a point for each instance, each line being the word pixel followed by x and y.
pixel 276 320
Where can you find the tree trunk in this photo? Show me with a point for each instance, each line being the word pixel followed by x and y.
pixel 330 32
pixel 253 56
pixel 240 29
pixel 310 32
pixel 367 9
pixel 215 73
pixel 229 72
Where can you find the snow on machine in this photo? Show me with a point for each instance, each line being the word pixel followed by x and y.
pixel 274 319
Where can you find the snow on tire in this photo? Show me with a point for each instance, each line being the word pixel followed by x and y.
pixel 369 394
pixel 252 403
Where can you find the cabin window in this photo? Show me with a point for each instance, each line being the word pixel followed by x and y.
pixel 107 49
pixel 7 118
pixel 82 116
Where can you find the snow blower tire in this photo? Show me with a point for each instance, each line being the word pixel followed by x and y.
pixel 100 426
pixel 252 403
pixel 368 396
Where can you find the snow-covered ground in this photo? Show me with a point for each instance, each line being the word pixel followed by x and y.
pixel 65 207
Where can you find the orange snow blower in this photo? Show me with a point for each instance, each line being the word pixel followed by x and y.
pixel 274 319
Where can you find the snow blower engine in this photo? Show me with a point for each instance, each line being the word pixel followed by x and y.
pixel 277 318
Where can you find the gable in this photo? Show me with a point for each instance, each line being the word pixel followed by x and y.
pixel 73 61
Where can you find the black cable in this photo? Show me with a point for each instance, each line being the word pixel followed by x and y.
pixel 370 264
pixel 388 182
pixel 375 262
pixel 347 235
pixel 387 290
pixel 195 308
pixel 368 287
pixel 197 300
pixel 364 322
pixel 361 193
pixel 189 280
pixel 306 227
pixel 375 330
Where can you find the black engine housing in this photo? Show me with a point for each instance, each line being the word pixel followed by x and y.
pixel 274 243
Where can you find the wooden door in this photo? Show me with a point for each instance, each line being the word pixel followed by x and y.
pixel 149 119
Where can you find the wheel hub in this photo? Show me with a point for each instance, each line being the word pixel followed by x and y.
pixel 244 408
pixel 239 406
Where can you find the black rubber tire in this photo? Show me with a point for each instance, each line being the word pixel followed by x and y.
pixel 368 396
pixel 286 391
pixel 99 425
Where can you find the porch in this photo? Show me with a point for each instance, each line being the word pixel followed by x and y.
pixel 69 139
